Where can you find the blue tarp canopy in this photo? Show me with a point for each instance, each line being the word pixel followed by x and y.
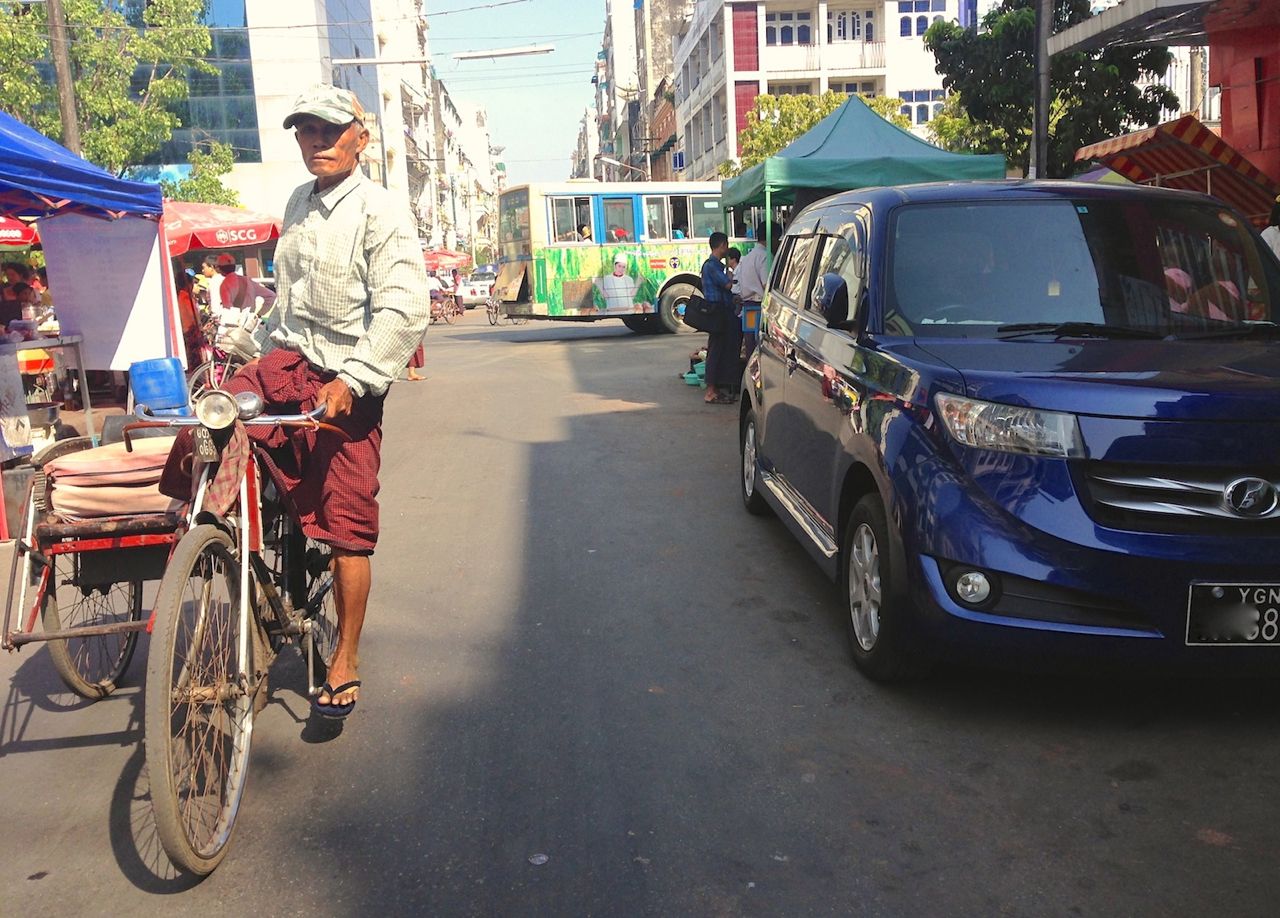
pixel 853 147
pixel 38 178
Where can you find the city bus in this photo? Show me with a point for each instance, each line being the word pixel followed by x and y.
pixel 584 250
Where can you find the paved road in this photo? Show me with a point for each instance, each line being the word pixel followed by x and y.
pixel 580 647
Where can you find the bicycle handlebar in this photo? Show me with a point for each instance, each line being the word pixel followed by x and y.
pixel 263 420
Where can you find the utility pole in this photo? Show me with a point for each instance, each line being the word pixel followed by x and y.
pixel 1197 83
pixel 1040 130
pixel 62 75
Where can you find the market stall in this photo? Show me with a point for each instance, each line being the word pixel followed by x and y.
pixel 101 238
pixel 445 260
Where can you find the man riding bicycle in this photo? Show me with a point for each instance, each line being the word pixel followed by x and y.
pixel 352 307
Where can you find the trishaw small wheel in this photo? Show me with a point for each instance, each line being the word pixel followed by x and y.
pixel 90 666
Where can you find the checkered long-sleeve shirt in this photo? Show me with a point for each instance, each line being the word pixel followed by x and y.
pixel 351 283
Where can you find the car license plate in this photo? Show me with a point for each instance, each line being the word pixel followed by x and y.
pixel 1234 613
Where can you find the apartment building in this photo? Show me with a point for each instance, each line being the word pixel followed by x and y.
pixel 731 51
pixel 617 90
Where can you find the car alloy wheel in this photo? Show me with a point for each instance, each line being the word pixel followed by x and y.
pixel 749 460
pixel 864 587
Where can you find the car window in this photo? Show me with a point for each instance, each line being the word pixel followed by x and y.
pixel 1152 264
pixel 841 258
pixel 792 276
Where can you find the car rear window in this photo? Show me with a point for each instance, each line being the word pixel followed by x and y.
pixel 966 269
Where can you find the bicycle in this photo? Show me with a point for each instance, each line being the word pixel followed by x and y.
pixel 493 308
pixel 446 307
pixel 238 586
pixel 227 346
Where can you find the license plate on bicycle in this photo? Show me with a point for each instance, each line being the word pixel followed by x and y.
pixel 206 449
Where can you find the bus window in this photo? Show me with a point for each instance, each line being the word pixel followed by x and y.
pixel 679 216
pixel 513 224
pixel 655 219
pixel 619 220
pixel 569 217
pixel 706 216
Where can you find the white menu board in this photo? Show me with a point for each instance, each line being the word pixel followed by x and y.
pixel 107 286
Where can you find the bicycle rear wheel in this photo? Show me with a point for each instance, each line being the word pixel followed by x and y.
pixel 452 311
pixel 91 665
pixel 199 702
pixel 491 309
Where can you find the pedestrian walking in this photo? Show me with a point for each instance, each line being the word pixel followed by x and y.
pixel 352 306
pixel 723 369
pixel 751 276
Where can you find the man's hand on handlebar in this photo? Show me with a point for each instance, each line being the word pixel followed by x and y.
pixel 336 396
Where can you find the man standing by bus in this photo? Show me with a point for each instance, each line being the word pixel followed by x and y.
pixel 352 307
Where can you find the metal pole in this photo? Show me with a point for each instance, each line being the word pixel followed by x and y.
pixel 768 227
pixel 1040 131
pixel 62 76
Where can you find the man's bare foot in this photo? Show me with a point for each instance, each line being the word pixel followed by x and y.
pixel 414 377
pixel 340 673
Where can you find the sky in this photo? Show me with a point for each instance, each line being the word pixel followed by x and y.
pixel 535 104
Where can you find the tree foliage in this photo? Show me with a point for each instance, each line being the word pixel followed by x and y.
pixel 1095 94
pixel 129 62
pixel 775 121
pixel 204 182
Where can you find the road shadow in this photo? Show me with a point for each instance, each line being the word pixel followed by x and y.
pixel 133 838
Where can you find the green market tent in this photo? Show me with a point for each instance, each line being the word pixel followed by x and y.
pixel 853 147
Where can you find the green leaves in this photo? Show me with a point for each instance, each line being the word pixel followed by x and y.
pixel 204 182
pixel 126 77
pixel 991 76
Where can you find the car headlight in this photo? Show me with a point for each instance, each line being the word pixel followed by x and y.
pixel 217 409
pixel 1010 429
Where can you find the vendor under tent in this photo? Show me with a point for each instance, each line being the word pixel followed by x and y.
pixel 1186 155
pixel 853 147
pixel 101 237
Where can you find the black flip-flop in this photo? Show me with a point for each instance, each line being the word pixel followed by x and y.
pixel 334 711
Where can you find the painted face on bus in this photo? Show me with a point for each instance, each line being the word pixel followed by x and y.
pixel 619 267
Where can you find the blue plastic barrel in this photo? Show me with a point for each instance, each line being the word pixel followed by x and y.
pixel 159 384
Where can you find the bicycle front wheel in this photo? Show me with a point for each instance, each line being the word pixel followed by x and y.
pixel 199 702
pixel 491 308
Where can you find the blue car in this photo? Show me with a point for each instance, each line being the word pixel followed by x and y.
pixel 1027 421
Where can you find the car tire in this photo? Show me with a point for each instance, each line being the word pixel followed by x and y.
pixel 877 607
pixel 749 469
pixel 670 306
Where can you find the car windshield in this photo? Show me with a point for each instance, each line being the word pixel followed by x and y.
pixel 482 277
pixel 1105 268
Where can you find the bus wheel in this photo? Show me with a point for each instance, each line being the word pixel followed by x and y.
pixel 642 325
pixel 671 308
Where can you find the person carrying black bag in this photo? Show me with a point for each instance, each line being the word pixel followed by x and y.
pixel 724 372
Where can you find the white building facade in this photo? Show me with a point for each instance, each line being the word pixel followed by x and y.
pixel 734 50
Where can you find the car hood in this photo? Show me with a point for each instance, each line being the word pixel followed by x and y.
pixel 1167 380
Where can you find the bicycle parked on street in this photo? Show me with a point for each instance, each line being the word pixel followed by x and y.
pixel 239 584
pixel 493 308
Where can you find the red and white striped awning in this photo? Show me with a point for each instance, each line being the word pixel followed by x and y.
pixel 1185 154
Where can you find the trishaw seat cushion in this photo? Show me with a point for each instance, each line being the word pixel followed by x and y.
pixel 110 481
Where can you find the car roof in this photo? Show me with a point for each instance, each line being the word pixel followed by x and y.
pixel 943 192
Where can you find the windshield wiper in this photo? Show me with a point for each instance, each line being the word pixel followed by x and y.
pixel 1235 331
pixel 1074 330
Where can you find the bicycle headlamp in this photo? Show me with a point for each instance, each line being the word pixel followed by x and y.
pixel 217 410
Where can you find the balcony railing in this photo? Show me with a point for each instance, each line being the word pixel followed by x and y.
pixel 842 56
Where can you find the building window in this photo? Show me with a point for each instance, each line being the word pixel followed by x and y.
pixel 922 114
pixel 904 26
pixel 937 19
pixel 937 109
pixel 844 25
pixel 922 24
pixel 939 6
pixel 905 110
pixel 869 33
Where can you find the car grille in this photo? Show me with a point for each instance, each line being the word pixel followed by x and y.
pixel 1172 499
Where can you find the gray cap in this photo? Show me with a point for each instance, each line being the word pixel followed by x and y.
pixel 328 103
